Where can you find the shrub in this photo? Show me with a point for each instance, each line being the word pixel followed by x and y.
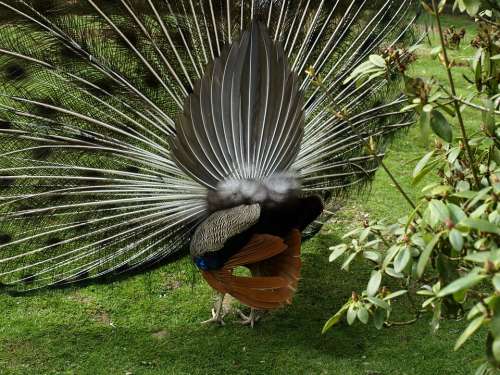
pixel 444 254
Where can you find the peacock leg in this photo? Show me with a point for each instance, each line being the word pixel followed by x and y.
pixel 217 311
pixel 250 319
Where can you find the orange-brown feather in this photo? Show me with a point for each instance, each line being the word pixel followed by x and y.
pixel 275 265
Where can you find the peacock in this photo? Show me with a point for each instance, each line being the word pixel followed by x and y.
pixel 134 133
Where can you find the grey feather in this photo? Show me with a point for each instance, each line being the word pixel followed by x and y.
pixel 232 138
pixel 271 190
pixel 218 228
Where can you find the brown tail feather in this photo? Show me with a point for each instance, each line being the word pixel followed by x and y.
pixel 260 247
pixel 275 264
pixel 259 282
pixel 286 264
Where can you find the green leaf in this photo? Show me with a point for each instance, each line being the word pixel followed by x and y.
pixel 364 234
pixel 479 308
pixel 352 233
pixel 426 254
pixel 478 257
pixel 379 318
pixel 426 291
pixel 392 273
pixel 373 244
pixel 436 51
pixel 462 186
pixel 428 108
pixel 477 67
pixel 363 315
pixel 441 190
pixel 489 116
pixel 456 213
pixel 428 168
pixel 496 349
pixel 422 164
pixel 472 6
pixel 454 154
pixel 338 251
pixel 379 303
pixel 436 317
pixel 336 318
pixel 495 322
pixel 378 61
pixel 391 253
pixel 351 315
pixel 479 196
pixel 481 225
pixel 425 124
pixel 462 283
pixel 428 301
pixel 397 294
pixel 439 212
pixel 496 282
pixel 362 69
pixel 479 212
pixel 347 263
pixel 427 8
pixel 469 331
pixel 456 239
pixel 467 194
pixel 402 259
pixel 373 256
pixel 460 296
pixel 484 369
pixel 374 283
pixel 441 126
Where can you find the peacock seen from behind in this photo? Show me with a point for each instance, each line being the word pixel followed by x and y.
pixel 136 132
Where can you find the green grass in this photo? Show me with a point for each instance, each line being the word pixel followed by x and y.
pixel 150 324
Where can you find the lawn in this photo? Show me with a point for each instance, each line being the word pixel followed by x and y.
pixel 150 324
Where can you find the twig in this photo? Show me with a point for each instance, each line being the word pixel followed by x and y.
pixel 380 235
pixel 466 102
pixel 418 315
pixel 399 324
pixel 475 106
pixel 485 20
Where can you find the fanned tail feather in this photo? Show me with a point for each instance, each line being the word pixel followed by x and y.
pixel 90 96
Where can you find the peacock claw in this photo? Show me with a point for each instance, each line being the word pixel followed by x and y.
pixel 250 319
pixel 217 313
pixel 217 318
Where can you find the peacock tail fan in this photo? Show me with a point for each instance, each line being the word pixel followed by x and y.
pixel 116 120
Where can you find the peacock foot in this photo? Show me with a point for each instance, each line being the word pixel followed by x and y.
pixel 217 318
pixel 218 313
pixel 250 319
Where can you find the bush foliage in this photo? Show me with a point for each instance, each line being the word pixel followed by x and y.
pixel 444 255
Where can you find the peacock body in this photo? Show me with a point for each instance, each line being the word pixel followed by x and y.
pixel 135 132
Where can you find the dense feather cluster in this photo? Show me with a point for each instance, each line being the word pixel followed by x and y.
pixel 271 190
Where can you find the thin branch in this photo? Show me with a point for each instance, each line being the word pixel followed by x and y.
pixel 485 20
pixel 475 106
pixel 399 324
pixel 456 103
